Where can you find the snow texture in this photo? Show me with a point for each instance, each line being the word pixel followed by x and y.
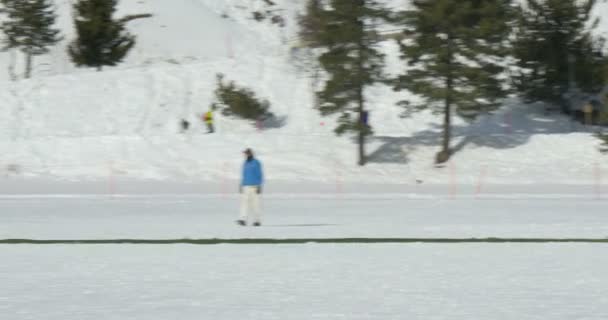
pixel 306 216
pixel 377 282
pixel 76 124
pixel 98 155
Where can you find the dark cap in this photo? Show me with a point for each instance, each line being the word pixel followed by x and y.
pixel 248 151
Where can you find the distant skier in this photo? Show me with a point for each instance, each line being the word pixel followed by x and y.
pixel 185 125
pixel 208 119
pixel 365 119
pixel 251 189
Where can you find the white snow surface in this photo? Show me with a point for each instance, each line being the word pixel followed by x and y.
pixel 97 155
pixel 377 282
pixel 383 215
pixel 78 124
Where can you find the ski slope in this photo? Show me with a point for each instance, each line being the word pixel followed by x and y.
pixel 122 123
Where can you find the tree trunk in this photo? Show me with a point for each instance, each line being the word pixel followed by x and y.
pixel 361 132
pixel 447 126
pixel 362 157
pixel 447 121
pixel 445 153
pixel 315 84
pixel 28 65
pixel 11 65
pixel 362 129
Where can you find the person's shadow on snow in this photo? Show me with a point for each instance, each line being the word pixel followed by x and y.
pixel 302 225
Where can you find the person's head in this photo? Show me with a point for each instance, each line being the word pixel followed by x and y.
pixel 248 153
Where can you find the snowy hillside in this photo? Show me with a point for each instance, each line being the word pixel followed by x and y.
pixel 76 123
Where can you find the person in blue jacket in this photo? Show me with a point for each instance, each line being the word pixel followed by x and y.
pixel 251 189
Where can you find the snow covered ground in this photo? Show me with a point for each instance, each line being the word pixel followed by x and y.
pixel 87 155
pixel 306 216
pixel 377 282
pixel 308 281
pixel 78 124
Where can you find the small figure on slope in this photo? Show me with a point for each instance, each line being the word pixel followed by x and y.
pixel 208 119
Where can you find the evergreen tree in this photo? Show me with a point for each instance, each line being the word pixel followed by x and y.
pixel 102 41
pixel 311 23
pixel 454 49
pixel 351 61
pixel 29 28
pixel 310 28
pixel 233 99
pixel 556 50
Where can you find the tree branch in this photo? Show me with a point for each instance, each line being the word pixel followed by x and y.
pixel 134 17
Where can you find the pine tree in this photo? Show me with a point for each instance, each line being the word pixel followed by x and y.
pixel 556 50
pixel 310 28
pixel 352 63
pixel 102 41
pixel 311 23
pixel 29 28
pixel 233 99
pixel 454 50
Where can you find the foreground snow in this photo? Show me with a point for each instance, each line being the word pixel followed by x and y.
pixel 377 282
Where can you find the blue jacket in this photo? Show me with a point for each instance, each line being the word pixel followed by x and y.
pixel 252 173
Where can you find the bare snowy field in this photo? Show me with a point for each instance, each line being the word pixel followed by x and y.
pixel 548 281
pixel 416 281
pixel 324 213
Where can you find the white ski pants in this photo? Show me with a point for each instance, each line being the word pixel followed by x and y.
pixel 250 204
